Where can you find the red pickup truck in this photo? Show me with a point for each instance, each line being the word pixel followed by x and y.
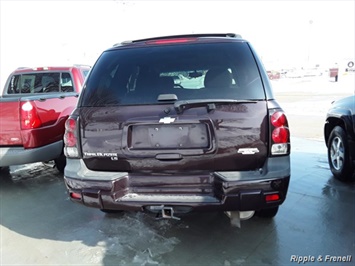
pixel 34 106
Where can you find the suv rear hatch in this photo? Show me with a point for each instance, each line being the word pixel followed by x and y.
pixel 170 108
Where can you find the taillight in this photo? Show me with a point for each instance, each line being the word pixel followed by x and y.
pixel 272 197
pixel 280 134
pixel 278 119
pixel 75 196
pixel 70 124
pixel 29 116
pixel 70 138
pixel 40 68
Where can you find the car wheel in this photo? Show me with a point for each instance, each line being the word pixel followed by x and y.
pixel 268 213
pixel 60 163
pixel 338 154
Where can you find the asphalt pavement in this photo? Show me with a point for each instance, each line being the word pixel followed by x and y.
pixel 39 225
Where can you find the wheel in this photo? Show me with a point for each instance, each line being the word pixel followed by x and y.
pixel 60 163
pixel 268 213
pixel 338 155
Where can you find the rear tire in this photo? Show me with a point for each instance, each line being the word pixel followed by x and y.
pixel 339 155
pixel 60 163
pixel 268 213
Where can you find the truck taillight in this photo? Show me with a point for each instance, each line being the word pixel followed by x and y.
pixel 70 138
pixel 29 116
pixel 280 134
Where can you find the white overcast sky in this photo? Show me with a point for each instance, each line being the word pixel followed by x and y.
pixel 284 33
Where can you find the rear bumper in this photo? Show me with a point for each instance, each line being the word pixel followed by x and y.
pixel 214 191
pixel 19 155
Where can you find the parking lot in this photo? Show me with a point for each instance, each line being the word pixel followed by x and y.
pixel 316 224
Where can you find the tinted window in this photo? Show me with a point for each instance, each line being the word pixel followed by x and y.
pixel 66 83
pixel 40 83
pixel 194 71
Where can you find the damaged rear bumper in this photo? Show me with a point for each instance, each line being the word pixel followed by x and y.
pixel 205 191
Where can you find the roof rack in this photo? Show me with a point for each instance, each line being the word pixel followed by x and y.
pixel 231 35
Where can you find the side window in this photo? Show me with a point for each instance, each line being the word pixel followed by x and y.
pixel 66 83
pixel 14 87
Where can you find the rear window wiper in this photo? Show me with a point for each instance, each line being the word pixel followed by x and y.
pixel 180 106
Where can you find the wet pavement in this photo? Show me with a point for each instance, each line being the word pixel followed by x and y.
pixel 39 225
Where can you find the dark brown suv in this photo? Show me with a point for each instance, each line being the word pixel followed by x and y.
pixel 179 123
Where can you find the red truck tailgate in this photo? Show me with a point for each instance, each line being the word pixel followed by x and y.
pixel 10 131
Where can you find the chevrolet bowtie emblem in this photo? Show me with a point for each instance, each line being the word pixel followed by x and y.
pixel 166 120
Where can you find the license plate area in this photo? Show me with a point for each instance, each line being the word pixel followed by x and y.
pixel 161 136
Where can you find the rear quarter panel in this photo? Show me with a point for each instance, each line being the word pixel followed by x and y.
pixel 53 111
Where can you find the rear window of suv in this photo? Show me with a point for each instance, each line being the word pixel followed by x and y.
pixel 155 74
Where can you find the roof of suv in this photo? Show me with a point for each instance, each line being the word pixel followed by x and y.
pixel 173 39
